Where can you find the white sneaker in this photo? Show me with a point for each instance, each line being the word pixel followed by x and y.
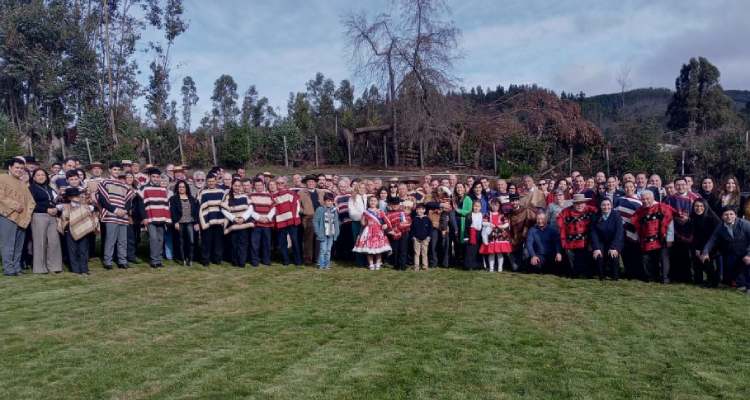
pixel 372 267
pixel 492 269
pixel 377 267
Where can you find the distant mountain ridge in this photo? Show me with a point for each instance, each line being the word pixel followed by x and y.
pixel 605 109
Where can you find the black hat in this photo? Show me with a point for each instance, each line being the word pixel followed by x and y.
pixel 394 201
pixel 514 197
pixel 153 171
pixel 72 191
pixel 309 178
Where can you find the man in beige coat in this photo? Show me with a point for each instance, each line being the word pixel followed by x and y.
pixel 16 207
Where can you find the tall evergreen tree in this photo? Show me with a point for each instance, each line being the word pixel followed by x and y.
pixel 699 103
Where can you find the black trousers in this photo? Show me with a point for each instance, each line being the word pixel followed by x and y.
pixel 631 260
pixel 710 270
pixel 608 266
pixel 240 240
pixel 342 247
pixel 213 244
pixel 656 265
pixel 260 246
pixel 471 259
pixel 580 263
pixel 183 242
pixel 680 263
pixel 399 248
pixel 78 253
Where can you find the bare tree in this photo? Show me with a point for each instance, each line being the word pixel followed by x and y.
pixel 373 46
pixel 418 45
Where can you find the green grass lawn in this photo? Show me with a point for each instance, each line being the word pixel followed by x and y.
pixel 286 333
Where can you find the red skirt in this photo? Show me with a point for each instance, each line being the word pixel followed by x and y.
pixel 497 247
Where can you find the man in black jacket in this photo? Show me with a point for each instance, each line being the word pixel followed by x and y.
pixel 733 240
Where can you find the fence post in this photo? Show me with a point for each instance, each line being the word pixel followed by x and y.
pixel 683 163
pixel 349 150
pixel 148 151
pixel 286 155
pixel 182 154
pixel 494 158
pixel 570 159
pixel 606 153
pixel 88 150
pixel 385 151
pixel 316 151
pixel 213 149
pixel 421 153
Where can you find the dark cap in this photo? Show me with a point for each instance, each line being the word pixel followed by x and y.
pixel 309 178
pixel 394 201
pixel 72 191
pixel 153 171
pixel 115 164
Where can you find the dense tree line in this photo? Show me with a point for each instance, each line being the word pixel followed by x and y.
pixel 68 86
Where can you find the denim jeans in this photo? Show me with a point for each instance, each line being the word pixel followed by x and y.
pixel 324 258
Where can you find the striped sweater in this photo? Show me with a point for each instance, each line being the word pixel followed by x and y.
pixel 236 207
pixel 156 205
pixel 287 209
pixel 627 206
pixel 342 205
pixel 262 205
pixel 113 194
pixel 209 212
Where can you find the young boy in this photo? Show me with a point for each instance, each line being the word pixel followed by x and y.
pixel 397 235
pixel 77 221
pixel 421 229
pixel 327 227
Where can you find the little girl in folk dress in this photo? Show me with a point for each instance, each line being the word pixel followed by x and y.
pixel 372 240
pixel 495 237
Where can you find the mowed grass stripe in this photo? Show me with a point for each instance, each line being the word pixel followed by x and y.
pixel 284 332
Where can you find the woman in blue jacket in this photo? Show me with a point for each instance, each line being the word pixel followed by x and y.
pixel 607 235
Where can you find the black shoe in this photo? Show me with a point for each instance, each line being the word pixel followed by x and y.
pixel 108 267
pixel 154 266
pixel 188 263
pixel 11 274
pixel 123 266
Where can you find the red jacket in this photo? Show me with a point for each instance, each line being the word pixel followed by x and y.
pixel 651 225
pixel 575 227
pixel 400 223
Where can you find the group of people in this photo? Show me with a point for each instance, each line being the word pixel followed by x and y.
pixel 634 226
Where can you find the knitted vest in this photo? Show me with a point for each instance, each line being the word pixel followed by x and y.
pixel 236 206
pixel 209 212
pixel 287 209
pixel 156 203
pixel 262 204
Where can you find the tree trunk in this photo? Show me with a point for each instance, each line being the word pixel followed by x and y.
pixel 107 57
pixel 392 93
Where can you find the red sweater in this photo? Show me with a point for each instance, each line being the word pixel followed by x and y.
pixel 263 206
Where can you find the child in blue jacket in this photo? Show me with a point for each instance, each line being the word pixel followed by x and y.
pixel 327 226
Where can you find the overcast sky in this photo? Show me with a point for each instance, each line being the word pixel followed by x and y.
pixel 564 45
